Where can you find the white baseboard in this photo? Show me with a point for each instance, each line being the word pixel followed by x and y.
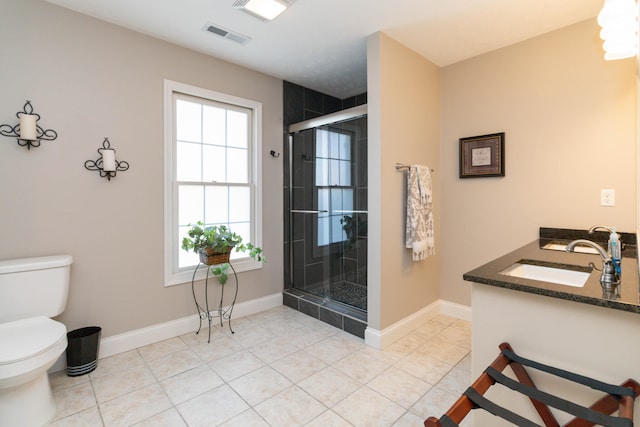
pixel 382 339
pixel 130 340
pixel 459 311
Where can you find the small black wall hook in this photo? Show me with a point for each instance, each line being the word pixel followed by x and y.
pixel 274 154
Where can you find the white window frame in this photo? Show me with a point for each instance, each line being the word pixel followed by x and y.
pixel 173 275
pixel 330 214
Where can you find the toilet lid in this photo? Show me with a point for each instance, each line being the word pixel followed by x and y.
pixel 26 338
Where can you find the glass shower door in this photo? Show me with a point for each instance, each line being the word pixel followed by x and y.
pixel 328 256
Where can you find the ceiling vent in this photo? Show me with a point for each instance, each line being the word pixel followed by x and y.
pixel 219 31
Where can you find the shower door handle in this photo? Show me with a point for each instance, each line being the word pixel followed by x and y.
pixel 307 212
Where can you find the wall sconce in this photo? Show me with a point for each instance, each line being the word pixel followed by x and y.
pixel 619 22
pixel 27 130
pixel 107 164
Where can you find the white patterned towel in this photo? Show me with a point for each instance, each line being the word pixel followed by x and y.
pixel 419 235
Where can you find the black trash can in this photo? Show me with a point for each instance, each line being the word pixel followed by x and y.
pixel 82 350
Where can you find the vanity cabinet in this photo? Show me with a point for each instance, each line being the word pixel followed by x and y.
pixel 580 329
pixel 601 343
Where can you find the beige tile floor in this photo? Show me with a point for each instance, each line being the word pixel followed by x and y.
pixel 280 368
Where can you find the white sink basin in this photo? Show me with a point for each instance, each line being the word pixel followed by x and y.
pixel 559 276
pixel 579 248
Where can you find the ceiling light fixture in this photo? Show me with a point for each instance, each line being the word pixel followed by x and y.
pixel 263 9
pixel 619 22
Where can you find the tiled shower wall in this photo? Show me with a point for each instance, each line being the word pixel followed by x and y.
pixel 302 104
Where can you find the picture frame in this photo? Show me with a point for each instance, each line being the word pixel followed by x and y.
pixel 482 156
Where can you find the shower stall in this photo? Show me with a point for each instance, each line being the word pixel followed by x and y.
pixel 327 208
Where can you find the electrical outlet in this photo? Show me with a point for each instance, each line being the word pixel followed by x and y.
pixel 607 197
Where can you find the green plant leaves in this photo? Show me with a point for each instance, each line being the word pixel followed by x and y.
pixel 219 238
pixel 221 272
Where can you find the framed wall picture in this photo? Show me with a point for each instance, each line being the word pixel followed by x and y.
pixel 482 156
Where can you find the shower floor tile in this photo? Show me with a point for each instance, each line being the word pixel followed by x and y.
pixel 297 371
pixel 347 293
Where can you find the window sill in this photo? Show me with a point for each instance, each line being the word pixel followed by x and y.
pixel 185 275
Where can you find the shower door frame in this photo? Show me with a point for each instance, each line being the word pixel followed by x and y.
pixel 329 119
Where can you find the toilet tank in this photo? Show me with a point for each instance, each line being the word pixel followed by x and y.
pixel 34 287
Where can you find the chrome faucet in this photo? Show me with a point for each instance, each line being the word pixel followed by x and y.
pixel 609 277
pixel 584 242
pixel 598 227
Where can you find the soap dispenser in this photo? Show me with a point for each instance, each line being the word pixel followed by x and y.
pixel 615 250
pixel 614 246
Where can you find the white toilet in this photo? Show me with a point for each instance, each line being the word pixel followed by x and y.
pixel 32 290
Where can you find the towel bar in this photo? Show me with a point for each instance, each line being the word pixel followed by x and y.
pixel 401 167
pixel 618 398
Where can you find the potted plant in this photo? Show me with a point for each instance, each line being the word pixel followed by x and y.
pixel 214 245
pixel 353 227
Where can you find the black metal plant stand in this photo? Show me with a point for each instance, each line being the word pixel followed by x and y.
pixel 205 312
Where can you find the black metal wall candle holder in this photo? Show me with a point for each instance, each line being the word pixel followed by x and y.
pixel 27 131
pixel 107 164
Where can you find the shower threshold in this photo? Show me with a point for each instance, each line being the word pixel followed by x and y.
pixel 341 316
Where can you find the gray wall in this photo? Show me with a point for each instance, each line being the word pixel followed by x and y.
pixel 89 80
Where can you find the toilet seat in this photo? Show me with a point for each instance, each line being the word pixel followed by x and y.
pixel 27 338
pixel 29 343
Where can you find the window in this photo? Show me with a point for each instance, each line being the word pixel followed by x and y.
pixel 211 169
pixel 333 181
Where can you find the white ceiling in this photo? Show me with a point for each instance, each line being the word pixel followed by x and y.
pixel 321 44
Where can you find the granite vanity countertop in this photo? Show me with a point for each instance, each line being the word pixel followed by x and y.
pixel 627 297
